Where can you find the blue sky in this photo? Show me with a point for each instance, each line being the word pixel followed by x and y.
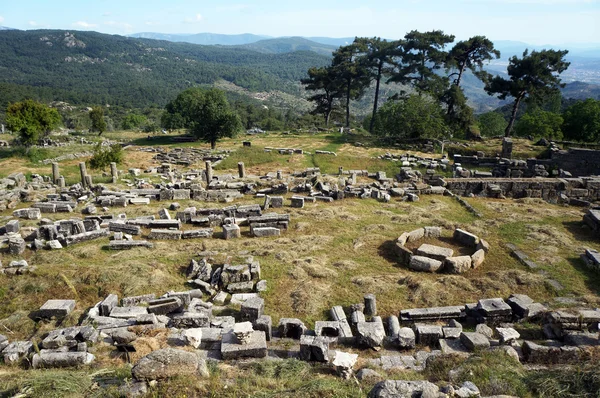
pixel 532 21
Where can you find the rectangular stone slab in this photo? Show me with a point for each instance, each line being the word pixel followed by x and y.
pixel 255 348
pixel 435 252
pixel 432 313
pixel 56 308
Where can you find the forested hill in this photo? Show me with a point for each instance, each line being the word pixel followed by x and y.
pixel 94 68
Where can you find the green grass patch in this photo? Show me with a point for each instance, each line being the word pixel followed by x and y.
pixel 251 157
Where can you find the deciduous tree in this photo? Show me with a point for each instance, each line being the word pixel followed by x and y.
pixel 31 120
pixel 97 119
pixel 582 121
pixel 205 113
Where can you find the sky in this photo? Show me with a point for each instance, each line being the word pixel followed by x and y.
pixel 531 21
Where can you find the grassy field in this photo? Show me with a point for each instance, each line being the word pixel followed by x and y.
pixel 332 254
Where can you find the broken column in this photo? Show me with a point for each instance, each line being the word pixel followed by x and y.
pixel 83 171
pixel 279 175
pixel 370 305
pixel 209 171
pixel 114 173
pixel 55 173
pixel 507 148
pixel 241 170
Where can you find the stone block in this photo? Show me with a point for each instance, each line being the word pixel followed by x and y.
pixel 474 341
pixel 264 323
pixel 56 309
pixel 256 346
pixel 434 252
pixel 458 265
pixel 314 348
pixel 428 334
pixel 291 328
pixel 424 264
pixel 466 238
pixel 231 231
pixel 252 309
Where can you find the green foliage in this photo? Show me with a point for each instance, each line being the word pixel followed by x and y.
pixel 31 120
pixel 205 113
pixel 540 123
pixel 142 72
pixel 422 54
pixel 471 54
pixel 582 121
pixel 97 120
pixel 415 117
pixel 329 90
pixel 133 121
pixel 492 124
pixel 150 127
pixel 535 76
pixel 104 156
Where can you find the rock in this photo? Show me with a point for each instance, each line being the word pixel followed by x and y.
pixel 193 337
pixel 167 363
pixel 344 363
pixel 243 331
pixel 252 309
pixel 123 336
pixel 435 252
pixel 403 389
pixel 371 334
pixel 367 374
pixel 466 238
pixel 291 327
pixel 255 346
pixel 478 258
pixel 458 265
pixel 406 338
pixel 507 335
pixel 474 341
pixel 265 324
pixel 467 390
pixel 485 330
pixel 56 309
pixel 61 359
pixel 314 348
pixel 424 264
pixel 428 334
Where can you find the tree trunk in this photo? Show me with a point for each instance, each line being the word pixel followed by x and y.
pixel 462 70
pixel 348 89
pixel 378 80
pixel 327 117
pixel 213 144
pixel 513 116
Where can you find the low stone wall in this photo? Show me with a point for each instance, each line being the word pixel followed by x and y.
pixel 549 189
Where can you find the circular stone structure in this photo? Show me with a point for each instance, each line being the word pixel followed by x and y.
pixel 431 258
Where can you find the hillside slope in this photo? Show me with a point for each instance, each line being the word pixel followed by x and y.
pixel 89 67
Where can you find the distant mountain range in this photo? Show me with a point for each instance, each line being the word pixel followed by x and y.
pixel 94 68
pixel 6 28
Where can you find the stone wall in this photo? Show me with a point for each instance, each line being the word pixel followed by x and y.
pixel 578 161
pixel 550 189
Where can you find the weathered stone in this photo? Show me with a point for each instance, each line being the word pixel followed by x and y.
pixel 266 231
pixel 255 347
pixel 28 214
pixel 458 265
pixel 507 335
pixel 107 305
pixel 416 235
pixel 128 312
pixel 190 320
pixel 291 327
pixel 164 234
pixel 404 389
pixel 370 305
pixel 127 245
pixel 231 231
pixel 56 309
pixel 424 264
pixel 371 334
pixel 465 238
pixel 434 252
pixel 428 334
pixel 474 341
pixel 252 309
pixel 494 307
pixel 167 363
pixel 485 330
pixel 314 348
pixel 165 306
pixel 406 338
pixel 344 363
pixel 478 258
pixel 265 324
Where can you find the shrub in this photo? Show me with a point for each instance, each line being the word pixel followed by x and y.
pixel 105 156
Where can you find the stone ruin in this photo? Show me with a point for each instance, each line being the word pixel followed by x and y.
pixel 431 258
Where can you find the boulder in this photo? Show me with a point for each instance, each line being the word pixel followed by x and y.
pixel 167 363
pixel 403 389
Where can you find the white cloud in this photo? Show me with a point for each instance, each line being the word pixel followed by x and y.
pixel 83 24
pixel 32 23
pixel 1 19
pixel 195 19
pixel 122 25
